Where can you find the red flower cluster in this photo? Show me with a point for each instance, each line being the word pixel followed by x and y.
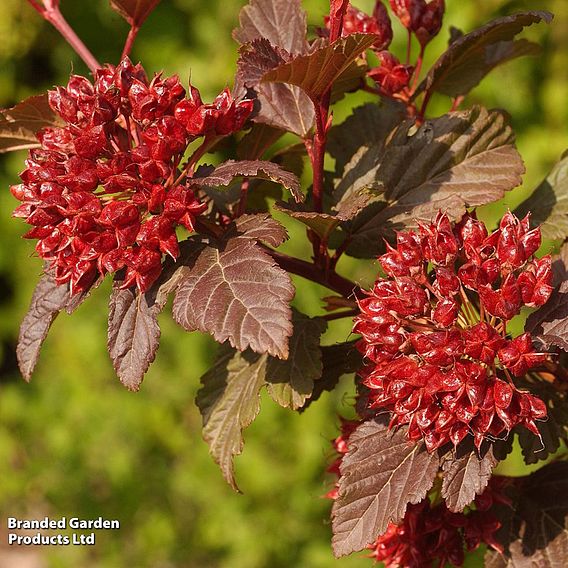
pixel 104 192
pixel 391 76
pixel 434 331
pixel 422 18
pixel 356 21
pixel 431 535
pixel 340 446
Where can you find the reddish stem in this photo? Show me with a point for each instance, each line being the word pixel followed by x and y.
pixel 52 14
pixel 322 113
pixel 339 315
pixel 189 168
pixel 336 19
pixel 318 151
pixel 129 41
pixel 422 112
pixel 417 69
pixel 243 200
pixel 456 102
pixel 330 280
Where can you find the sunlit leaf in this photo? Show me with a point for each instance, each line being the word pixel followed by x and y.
pixel 236 292
pixel 291 382
pixel 134 11
pixel 316 72
pixel 548 204
pixel 462 159
pixel 229 401
pixel 470 57
pixel 381 474
pixel 20 124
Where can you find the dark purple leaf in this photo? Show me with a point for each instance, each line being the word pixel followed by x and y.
pixel 316 72
pixel 534 528
pixel 134 11
pixel 229 401
pixel 548 205
pixel 367 127
pixel 321 223
pixel 236 292
pixel 465 475
pixel 282 106
pixel 255 59
pixel 261 227
pixel 502 448
pixel 224 173
pixel 350 80
pixel 286 107
pixel 254 143
pixel 291 382
pixel 549 324
pixel 48 299
pixel 462 159
pixel 338 360
pixel 281 22
pixel 560 266
pixel 20 124
pixel 133 334
pixel 470 57
pixel 381 474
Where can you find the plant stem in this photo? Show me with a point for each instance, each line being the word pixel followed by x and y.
pixel 339 251
pixel 422 111
pixel 322 113
pixel 129 41
pixel 456 103
pixel 339 315
pixel 417 69
pixel 330 280
pixel 207 143
pixel 243 200
pixel 318 151
pixel 53 15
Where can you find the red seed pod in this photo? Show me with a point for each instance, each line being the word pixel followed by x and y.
pixel 391 76
pixel 186 108
pixel 421 17
pixel 158 234
pixel 439 244
pixel 519 355
pixel 356 21
pixel 438 358
pixel 482 342
pixel 430 21
pixel 409 12
pixel 447 283
pixel 446 311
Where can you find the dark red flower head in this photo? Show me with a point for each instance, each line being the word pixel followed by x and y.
pixel 391 76
pixel 356 21
pixel 434 330
pixel 421 17
pixel 431 535
pixel 105 191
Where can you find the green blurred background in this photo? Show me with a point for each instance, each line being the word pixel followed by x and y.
pixel 74 442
